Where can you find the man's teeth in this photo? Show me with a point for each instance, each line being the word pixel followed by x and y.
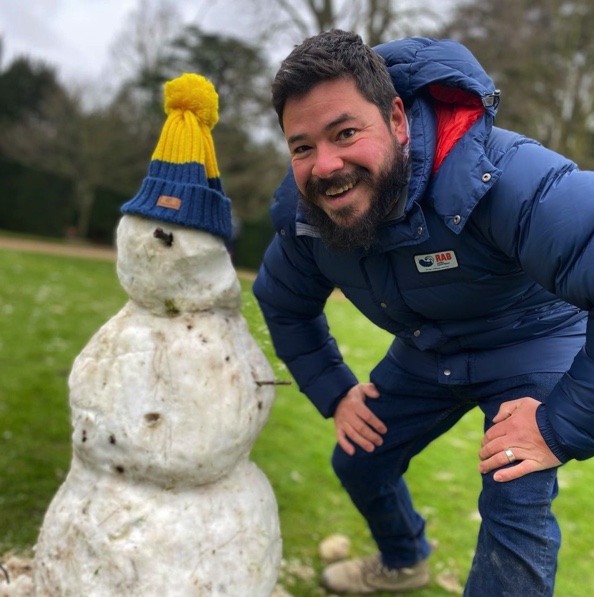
pixel 338 190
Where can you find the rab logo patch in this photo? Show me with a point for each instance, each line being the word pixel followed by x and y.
pixel 435 262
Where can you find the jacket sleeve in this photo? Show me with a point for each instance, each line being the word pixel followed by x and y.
pixel 543 216
pixel 292 294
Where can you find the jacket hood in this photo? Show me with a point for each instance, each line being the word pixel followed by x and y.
pixel 415 63
pixel 447 95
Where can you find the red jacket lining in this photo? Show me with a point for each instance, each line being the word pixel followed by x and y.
pixel 456 111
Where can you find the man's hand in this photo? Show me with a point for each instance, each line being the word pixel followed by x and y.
pixel 355 422
pixel 516 429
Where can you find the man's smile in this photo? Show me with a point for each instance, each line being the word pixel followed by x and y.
pixel 331 192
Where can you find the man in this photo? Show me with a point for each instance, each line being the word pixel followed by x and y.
pixel 474 246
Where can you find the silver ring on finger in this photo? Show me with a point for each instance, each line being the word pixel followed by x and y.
pixel 510 455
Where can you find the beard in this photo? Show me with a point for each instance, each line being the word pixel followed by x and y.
pixel 347 230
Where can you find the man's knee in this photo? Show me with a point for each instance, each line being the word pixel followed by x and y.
pixel 519 498
pixel 352 468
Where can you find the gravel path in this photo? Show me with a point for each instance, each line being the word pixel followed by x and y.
pixel 72 249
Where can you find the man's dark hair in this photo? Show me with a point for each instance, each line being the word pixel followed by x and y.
pixel 330 55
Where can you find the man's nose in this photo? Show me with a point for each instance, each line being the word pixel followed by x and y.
pixel 327 162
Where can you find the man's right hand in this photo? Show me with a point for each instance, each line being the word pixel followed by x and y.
pixel 355 423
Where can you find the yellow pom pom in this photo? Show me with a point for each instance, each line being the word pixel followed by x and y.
pixel 195 93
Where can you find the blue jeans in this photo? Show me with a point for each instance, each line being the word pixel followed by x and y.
pixel 519 537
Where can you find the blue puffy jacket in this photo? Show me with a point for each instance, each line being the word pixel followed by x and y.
pixel 488 274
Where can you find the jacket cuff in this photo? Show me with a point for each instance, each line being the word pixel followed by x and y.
pixel 549 435
pixel 326 395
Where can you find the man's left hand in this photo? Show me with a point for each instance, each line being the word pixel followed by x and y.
pixel 515 429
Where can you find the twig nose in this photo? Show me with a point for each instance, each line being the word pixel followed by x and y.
pixel 5 572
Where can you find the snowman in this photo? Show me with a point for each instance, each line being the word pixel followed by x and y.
pixel 167 400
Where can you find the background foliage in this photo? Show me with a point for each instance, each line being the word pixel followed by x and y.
pixel 539 52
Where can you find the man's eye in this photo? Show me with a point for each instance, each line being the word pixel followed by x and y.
pixel 300 149
pixel 346 134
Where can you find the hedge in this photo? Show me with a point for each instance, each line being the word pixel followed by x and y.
pixel 41 203
pixel 35 202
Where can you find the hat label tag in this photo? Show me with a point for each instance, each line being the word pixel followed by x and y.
pixel 170 202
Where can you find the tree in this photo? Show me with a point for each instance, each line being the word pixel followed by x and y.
pixel 236 68
pixel 376 21
pixel 94 148
pixel 141 53
pixel 539 53
pixel 24 85
pixel 250 170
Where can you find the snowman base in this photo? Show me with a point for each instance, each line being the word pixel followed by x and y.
pixel 107 538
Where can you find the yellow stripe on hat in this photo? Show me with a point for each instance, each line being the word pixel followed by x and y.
pixel 191 105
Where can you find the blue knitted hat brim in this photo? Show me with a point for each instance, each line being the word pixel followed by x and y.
pixel 182 194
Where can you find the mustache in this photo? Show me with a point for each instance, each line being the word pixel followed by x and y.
pixel 318 186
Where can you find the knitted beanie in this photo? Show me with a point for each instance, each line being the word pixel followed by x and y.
pixel 183 185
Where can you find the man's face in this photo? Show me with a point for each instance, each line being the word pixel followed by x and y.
pixel 342 149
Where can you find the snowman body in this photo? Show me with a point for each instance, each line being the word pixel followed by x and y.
pixel 167 399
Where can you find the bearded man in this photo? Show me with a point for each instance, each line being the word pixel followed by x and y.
pixel 474 246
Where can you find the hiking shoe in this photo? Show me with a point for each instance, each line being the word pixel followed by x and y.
pixel 369 575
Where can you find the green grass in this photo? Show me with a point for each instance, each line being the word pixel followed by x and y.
pixel 49 308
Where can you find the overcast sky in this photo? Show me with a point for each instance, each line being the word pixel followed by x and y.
pixel 76 36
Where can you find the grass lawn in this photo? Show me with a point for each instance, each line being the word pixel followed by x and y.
pixel 49 308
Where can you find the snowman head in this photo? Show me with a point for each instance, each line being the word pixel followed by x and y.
pixel 170 269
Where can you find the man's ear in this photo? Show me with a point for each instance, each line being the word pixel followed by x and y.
pixel 398 121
